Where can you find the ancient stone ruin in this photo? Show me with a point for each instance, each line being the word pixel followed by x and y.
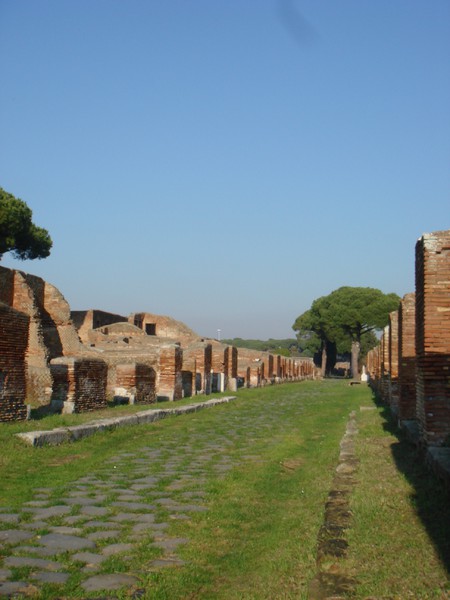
pixel 411 367
pixel 75 361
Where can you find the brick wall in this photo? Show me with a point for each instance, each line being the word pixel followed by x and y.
pixel 138 380
pixel 433 337
pixel 170 376
pixel 201 353
pixel 407 357
pixel 13 345
pixel 393 361
pixel 79 384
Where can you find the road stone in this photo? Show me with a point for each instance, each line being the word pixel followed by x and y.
pixel 62 542
pixel 14 536
pixel 9 588
pixel 55 578
pixel 113 581
pixel 28 561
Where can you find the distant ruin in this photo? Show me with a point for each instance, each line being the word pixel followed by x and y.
pixel 76 361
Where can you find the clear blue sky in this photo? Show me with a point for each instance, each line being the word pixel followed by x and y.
pixel 226 162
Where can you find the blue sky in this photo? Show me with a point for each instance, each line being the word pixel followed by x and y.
pixel 226 162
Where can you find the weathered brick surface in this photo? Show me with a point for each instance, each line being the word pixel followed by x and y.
pixel 13 345
pixel 230 364
pixel 407 357
pixel 138 380
pixel 198 358
pixel 164 327
pixel 170 376
pixel 393 361
pixel 79 383
pixel 86 320
pixel 433 337
pixel 51 332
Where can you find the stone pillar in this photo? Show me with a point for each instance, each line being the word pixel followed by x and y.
pixel 407 358
pixel 433 337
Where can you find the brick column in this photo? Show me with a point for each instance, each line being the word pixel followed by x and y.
pixel 393 361
pixel 170 377
pixel 407 358
pixel 433 337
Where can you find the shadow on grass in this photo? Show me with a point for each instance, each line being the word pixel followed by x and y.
pixel 41 412
pixel 429 497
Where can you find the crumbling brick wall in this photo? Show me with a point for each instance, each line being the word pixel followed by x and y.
pixel 85 321
pixel 138 381
pixel 433 337
pixel 13 345
pixel 51 332
pixel 407 357
pixel 79 384
pixel 201 352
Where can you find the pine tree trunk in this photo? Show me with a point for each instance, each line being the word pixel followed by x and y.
pixel 355 359
pixel 324 359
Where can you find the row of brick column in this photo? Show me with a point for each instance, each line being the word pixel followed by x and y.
pixel 410 368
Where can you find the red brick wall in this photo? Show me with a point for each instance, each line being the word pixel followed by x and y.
pixel 433 336
pixel 13 345
pixel 6 286
pixel 407 357
pixel 80 383
pixel 137 379
pixel 170 377
pixel 393 360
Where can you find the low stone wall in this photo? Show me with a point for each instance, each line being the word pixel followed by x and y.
pixel 63 435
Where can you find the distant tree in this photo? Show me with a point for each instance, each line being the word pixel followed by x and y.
pixel 356 311
pixel 345 316
pixel 18 234
pixel 315 320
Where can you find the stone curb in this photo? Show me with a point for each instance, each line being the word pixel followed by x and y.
pixel 62 435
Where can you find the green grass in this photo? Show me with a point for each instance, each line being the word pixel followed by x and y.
pixel 258 539
pixel 400 541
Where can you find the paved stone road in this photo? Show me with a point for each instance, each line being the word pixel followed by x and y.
pixel 130 501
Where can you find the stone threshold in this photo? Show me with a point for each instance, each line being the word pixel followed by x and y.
pixel 62 435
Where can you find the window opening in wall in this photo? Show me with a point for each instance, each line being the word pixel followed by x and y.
pixel 150 328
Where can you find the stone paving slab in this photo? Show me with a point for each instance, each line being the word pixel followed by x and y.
pixel 65 543
pixel 26 561
pixel 9 588
pixel 109 582
pixel 14 536
pixel 55 578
